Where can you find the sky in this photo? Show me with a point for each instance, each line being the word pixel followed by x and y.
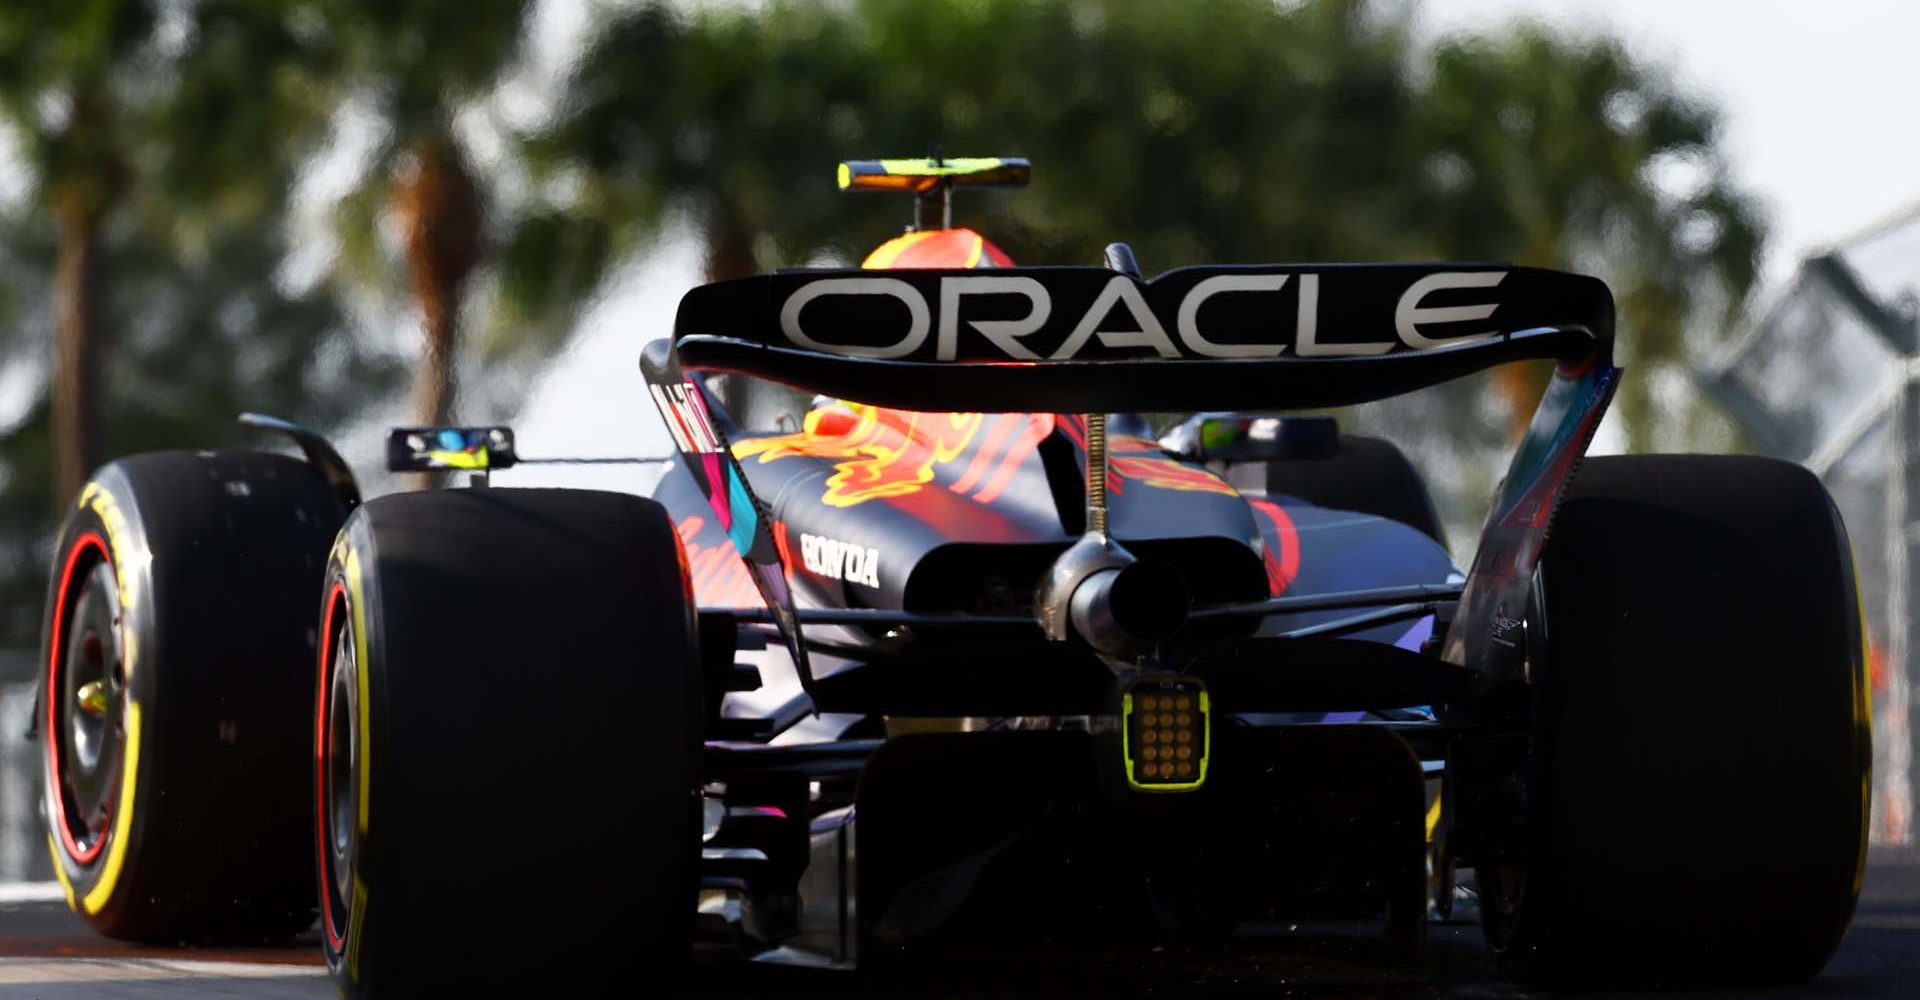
pixel 1817 98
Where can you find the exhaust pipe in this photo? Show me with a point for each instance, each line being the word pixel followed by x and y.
pixel 1099 593
pixel 1122 612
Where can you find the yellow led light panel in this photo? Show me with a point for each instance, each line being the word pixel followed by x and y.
pixel 1164 733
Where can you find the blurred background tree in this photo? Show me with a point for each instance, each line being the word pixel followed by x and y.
pixel 166 138
pixel 1220 130
pixel 1569 153
pixel 158 142
pixel 413 67
pixel 1226 130
pixel 195 110
pixel 60 62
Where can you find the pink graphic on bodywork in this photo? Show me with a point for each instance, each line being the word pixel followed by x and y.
pixel 716 490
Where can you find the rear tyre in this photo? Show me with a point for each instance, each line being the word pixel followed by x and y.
pixel 1700 750
pixel 175 695
pixel 1364 474
pixel 507 735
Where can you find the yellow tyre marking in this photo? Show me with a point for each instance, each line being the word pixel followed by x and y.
pixel 121 554
pixel 356 593
pixel 356 601
pixel 1433 817
pixel 122 818
pixel 60 872
pixel 356 920
pixel 102 504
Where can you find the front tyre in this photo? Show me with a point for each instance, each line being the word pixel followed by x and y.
pixel 1700 752
pixel 506 744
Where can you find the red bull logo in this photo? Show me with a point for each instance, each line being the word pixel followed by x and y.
pixel 899 458
pixel 881 453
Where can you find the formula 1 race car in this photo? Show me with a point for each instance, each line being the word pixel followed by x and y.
pixel 1058 677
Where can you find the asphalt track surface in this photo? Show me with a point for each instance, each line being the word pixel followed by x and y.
pixel 46 954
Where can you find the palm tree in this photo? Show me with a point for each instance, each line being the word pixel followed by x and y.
pixel 60 107
pixel 415 66
pixel 107 99
pixel 177 174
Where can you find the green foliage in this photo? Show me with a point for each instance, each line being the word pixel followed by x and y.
pixel 1199 130
pixel 198 340
pixel 415 61
pixel 1203 130
pixel 202 106
pixel 410 67
pixel 1548 150
pixel 1223 129
pixel 63 63
pixel 245 103
pixel 180 125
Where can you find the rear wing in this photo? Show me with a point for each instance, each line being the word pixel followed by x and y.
pixel 1094 340
pixel 1089 339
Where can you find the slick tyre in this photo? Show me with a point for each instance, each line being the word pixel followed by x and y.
pixel 1365 474
pixel 507 732
pixel 1700 749
pixel 176 691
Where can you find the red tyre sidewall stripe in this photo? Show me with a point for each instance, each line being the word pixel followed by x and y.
pixel 328 638
pixel 62 822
